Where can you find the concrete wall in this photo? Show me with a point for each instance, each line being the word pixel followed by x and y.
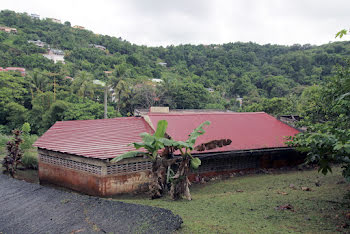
pixel 222 163
pixel 94 182
pixel 101 178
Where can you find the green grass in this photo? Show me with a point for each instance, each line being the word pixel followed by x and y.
pixel 247 204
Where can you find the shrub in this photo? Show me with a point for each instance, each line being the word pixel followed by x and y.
pixel 30 160
pixel 14 153
pixel 28 141
pixel 3 140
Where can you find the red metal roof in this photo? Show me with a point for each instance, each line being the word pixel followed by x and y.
pixel 102 138
pixel 16 69
pixel 254 130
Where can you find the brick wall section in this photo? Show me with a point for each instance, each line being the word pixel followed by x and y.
pixel 90 175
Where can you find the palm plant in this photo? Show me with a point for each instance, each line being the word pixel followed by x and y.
pixel 83 85
pixel 153 144
pixel 38 82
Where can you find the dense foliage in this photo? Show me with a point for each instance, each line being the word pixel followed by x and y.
pixel 270 78
pixel 327 115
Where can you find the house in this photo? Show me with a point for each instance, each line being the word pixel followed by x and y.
pixel 240 101
pixel 99 82
pixel 98 46
pixel 258 139
pixel 35 16
pixel 8 30
pixel 77 154
pixel 55 55
pixel 78 27
pixel 55 20
pixel 107 73
pixel 68 78
pixel 38 43
pixel 155 80
pixel 14 69
pixel 210 90
pixel 162 64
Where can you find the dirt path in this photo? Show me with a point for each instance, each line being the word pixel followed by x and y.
pixel 31 208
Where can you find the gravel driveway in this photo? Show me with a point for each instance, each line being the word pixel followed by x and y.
pixel 32 208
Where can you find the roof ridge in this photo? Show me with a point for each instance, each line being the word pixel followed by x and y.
pixel 205 113
pixel 109 119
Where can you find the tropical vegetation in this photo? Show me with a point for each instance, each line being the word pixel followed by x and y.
pixel 272 78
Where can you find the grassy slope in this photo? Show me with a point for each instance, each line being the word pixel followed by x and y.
pixel 220 206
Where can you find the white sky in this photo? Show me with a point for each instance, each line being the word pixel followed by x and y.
pixel 166 22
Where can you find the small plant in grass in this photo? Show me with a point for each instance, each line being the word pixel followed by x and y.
pixel 14 153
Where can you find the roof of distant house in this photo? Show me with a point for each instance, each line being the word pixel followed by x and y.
pixel 255 130
pixel 21 69
pixel 102 138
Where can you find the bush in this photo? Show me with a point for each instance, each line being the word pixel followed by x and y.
pixel 4 129
pixel 30 160
pixel 28 141
pixel 3 140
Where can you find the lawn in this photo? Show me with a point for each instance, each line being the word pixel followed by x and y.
pixel 247 204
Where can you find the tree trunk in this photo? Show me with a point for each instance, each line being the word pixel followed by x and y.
pixel 157 187
pixel 181 183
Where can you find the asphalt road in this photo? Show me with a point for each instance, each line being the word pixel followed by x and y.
pixel 32 208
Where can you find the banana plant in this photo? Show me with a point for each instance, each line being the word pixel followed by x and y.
pixel 161 166
pixel 153 145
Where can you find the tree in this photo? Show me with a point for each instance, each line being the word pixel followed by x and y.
pixel 328 141
pixel 161 162
pixel 83 85
pixel 152 144
pixel 189 95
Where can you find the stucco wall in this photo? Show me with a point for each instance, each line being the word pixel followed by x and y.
pixel 91 179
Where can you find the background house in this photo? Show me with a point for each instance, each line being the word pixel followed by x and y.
pixel 55 55
pixel 15 69
pixel 55 20
pixel 8 30
pixel 78 27
pixel 35 16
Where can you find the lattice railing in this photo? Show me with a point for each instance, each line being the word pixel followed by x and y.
pixel 129 167
pixel 80 166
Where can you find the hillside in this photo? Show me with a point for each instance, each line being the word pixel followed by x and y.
pixel 270 78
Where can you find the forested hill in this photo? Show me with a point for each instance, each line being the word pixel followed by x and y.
pixel 270 78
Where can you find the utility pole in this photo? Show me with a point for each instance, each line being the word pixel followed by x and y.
pixel 54 89
pixel 105 100
pixel 107 73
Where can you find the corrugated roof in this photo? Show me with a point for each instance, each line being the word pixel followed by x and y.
pixel 102 138
pixel 254 130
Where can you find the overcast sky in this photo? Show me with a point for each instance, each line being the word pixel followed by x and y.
pixel 166 22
